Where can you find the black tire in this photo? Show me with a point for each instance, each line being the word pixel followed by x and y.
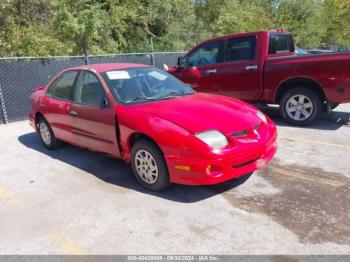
pixel 333 106
pixel 162 181
pixel 53 142
pixel 310 95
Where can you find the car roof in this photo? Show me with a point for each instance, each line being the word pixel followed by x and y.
pixel 107 67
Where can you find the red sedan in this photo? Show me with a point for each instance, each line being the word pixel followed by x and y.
pixel 168 132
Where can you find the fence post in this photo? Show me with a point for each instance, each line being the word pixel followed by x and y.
pixel 3 107
pixel 86 55
pixel 152 59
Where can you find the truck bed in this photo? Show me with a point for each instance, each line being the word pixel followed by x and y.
pixel 330 71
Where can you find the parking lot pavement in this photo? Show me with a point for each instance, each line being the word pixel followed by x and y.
pixel 73 201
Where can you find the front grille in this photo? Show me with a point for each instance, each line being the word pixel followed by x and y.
pixel 240 133
pixel 245 132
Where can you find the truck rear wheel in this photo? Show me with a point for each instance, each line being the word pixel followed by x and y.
pixel 300 106
pixel 333 106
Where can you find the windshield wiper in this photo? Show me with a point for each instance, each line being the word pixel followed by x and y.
pixel 175 94
pixel 139 98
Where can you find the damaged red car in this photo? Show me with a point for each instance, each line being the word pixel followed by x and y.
pixel 167 131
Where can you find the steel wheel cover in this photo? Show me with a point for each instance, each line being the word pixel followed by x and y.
pixel 45 133
pixel 146 166
pixel 299 107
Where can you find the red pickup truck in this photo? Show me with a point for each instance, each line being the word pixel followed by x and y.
pixel 263 67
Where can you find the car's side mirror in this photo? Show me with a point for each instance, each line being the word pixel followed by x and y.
pixel 180 61
pixel 104 103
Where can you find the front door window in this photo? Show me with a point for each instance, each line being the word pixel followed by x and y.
pixel 208 54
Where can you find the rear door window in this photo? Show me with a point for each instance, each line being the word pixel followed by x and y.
pixel 63 86
pixel 207 54
pixel 239 49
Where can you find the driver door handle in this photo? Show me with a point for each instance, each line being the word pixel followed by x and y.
pixel 211 71
pixel 251 67
pixel 73 113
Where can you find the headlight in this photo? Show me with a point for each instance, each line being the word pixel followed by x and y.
pixel 213 138
pixel 262 116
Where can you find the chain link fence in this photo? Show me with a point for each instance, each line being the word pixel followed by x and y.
pixel 19 76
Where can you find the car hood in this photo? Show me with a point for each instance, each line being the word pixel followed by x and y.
pixel 201 112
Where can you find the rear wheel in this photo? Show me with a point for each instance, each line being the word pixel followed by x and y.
pixel 47 136
pixel 149 166
pixel 300 106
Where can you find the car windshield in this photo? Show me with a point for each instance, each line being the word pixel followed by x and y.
pixel 135 85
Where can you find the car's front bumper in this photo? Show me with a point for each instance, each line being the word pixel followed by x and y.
pixel 195 171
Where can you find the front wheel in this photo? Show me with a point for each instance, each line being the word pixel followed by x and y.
pixel 300 106
pixel 149 166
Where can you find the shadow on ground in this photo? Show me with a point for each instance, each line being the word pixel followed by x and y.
pixel 311 202
pixel 115 171
pixel 328 121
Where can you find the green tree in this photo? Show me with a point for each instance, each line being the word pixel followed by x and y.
pixel 302 18
pixel 26 28
pixel 80 23
pixel 171 24
pixel 337 22
pixel 65 27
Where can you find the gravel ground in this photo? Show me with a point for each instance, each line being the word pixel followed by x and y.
pixel 73 201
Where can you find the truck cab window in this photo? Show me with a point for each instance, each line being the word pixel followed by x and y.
pixel 211 53
pixel 279 43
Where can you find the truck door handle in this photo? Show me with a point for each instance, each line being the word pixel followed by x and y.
pixel 73 113
pixel 251 67
pixel 42 105
pixel 211 71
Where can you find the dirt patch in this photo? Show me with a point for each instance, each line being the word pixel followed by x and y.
pixel 311 202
